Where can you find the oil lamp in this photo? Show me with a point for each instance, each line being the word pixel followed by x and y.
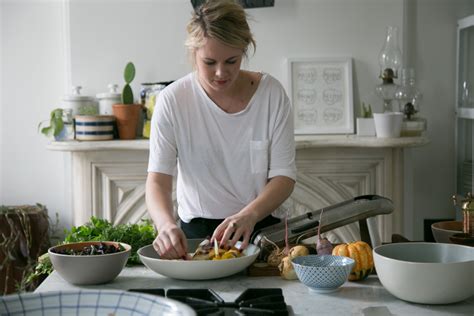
pixel 390 60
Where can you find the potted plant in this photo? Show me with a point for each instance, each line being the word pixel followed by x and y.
pixel 365 123
pixel 60 125
pixel 127 113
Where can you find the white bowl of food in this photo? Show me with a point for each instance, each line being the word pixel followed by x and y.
pixel 90 262
pixel 443 230
pixel 426 273
pixel 198 269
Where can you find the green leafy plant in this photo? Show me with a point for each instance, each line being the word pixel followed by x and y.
pixel 366 110
pixel 136 235
pixel 56 123
pixel 127 92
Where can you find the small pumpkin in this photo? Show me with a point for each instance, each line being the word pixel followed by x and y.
pixel 361 252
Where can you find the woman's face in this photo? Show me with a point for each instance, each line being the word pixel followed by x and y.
pixel 218 65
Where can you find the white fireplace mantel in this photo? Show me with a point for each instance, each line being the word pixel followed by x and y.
pixel 108 177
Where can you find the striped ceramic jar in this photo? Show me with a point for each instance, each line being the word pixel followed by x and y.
pixel 95 127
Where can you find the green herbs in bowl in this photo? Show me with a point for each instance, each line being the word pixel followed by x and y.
pixel 136 235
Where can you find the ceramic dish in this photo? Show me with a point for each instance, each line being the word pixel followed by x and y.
pixel 197 269
pixel 88 269
pixel 90 302
pixel 443 230
pixel 427 273
pixel 323 273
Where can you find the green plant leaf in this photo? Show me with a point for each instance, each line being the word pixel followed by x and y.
pixel 127 94
pixel 129 73
pixel 47 131
pixel 57 125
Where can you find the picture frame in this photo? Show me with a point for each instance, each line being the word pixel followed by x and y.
pixel 320 90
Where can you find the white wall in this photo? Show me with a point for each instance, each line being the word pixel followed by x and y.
pixel 32 70
pixel 435 59
pixel 38 66
pixel 2 18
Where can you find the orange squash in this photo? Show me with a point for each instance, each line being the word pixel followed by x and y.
pixel 362 254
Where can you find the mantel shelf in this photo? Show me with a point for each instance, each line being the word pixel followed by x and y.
pixel 109 177
pixel 302 142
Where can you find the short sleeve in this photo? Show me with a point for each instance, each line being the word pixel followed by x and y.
pixel 163 150
pixel 282 150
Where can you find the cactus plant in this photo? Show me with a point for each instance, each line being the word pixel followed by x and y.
pixel 128 75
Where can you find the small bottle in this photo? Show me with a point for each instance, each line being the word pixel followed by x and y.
pixel 68 122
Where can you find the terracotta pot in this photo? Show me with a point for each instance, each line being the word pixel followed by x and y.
pixel 127 116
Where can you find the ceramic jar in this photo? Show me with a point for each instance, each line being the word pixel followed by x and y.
pixel 107 99
pixel 80 104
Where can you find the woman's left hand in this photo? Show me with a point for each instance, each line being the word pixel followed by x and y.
pixel 235 226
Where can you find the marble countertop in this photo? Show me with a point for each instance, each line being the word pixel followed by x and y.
pixel 302 142
pixel 367 298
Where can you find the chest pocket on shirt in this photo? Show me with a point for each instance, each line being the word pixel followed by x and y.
pixel 259 156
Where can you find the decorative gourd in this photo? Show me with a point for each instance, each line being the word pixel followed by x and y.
pixel 361 252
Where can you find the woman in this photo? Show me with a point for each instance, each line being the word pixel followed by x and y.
pixel 229 134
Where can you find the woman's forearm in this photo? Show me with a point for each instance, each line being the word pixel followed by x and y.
pixel 277 190
pixel 159 189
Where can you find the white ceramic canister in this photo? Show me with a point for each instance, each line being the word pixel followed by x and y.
pixel 80 104
pixel 107 99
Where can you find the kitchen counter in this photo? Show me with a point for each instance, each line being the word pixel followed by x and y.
pixel 354 298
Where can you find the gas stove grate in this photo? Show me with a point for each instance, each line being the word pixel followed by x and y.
pixel 253 301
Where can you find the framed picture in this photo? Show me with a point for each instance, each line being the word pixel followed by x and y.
pixel 320 90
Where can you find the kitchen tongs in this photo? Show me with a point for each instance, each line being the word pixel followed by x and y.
pixel 362 209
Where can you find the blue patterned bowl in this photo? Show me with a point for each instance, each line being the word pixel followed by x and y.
pixel 91 302
pixel 322 273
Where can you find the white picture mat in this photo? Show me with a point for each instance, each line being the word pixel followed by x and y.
pixel 320 90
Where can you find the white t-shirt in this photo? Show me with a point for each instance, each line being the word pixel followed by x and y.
pixel 223 160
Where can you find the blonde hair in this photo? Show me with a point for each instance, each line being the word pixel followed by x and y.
pixel 224 20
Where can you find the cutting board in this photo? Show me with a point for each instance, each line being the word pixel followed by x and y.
pixel 258 269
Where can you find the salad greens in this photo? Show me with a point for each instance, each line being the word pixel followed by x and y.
pixel 136 235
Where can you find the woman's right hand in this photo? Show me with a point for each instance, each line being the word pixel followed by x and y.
pixel 170 243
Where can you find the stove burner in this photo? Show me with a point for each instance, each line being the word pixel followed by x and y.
pixel 263 301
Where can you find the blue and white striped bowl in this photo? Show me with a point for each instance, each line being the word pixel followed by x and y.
pixel 95 127
pixel 323 273
pixel 90 302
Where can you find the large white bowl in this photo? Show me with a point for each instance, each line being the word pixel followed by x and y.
pixel 197 269
pixel 91 302
pixel 427 273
